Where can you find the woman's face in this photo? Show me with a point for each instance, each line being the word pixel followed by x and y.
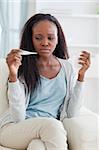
pixel 44 37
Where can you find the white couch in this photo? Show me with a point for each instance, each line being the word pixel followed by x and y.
pixel 83 130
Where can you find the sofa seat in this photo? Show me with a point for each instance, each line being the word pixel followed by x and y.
pixel 83 131
pixel 4 148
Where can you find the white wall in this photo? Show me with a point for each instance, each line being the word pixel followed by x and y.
pixel 91 94
pixel 31 8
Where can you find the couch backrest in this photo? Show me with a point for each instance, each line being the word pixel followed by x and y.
pixel 4 72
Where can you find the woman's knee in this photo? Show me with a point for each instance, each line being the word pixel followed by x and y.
pixel 53 127
pixel 54 134
pixel 55 124
pixel 36 144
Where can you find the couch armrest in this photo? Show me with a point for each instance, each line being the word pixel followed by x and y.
pixel 83 131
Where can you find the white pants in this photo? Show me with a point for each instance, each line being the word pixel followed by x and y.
pixel 34 134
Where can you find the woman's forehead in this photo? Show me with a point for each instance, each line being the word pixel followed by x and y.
pixel 44 25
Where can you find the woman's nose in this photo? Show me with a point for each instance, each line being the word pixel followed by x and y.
pixel 45 42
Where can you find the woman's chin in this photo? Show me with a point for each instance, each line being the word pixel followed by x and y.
pixel 44 54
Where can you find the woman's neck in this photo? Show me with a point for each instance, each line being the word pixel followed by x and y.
pixel 48 67
pixel 47 61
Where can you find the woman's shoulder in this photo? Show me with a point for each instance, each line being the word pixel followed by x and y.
pixel 65 62
pixel 68 67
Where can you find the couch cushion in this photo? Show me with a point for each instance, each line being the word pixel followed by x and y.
pixel 83 132
pixel 4 148
pixel 4 72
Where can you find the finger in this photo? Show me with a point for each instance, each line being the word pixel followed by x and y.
pixel 82 58
pixel 85 54
pixel 17 62
pixel 81 62
pixel 13 55
pixel 18 55
pixel 85 64
pixel 15 50
pixel 13 59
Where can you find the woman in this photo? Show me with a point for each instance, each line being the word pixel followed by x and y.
pixel 41 88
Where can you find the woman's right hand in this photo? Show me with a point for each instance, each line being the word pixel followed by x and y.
pixel 14 61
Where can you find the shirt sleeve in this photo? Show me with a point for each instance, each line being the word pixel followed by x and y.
pixel 75 98
pixel 17 99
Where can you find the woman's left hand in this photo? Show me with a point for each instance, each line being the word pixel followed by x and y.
pixel 84 60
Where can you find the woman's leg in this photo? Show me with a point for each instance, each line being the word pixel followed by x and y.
pixel 36 144
pixel 54 135
pixel 19 135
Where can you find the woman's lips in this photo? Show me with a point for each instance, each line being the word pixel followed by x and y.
pixel 44 50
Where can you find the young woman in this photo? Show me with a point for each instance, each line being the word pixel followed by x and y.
pixel 41 88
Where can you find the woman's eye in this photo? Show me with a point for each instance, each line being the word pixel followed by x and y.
pixel 51 38
pixel 38 38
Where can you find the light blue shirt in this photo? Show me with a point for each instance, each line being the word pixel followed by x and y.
pixel 48 97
